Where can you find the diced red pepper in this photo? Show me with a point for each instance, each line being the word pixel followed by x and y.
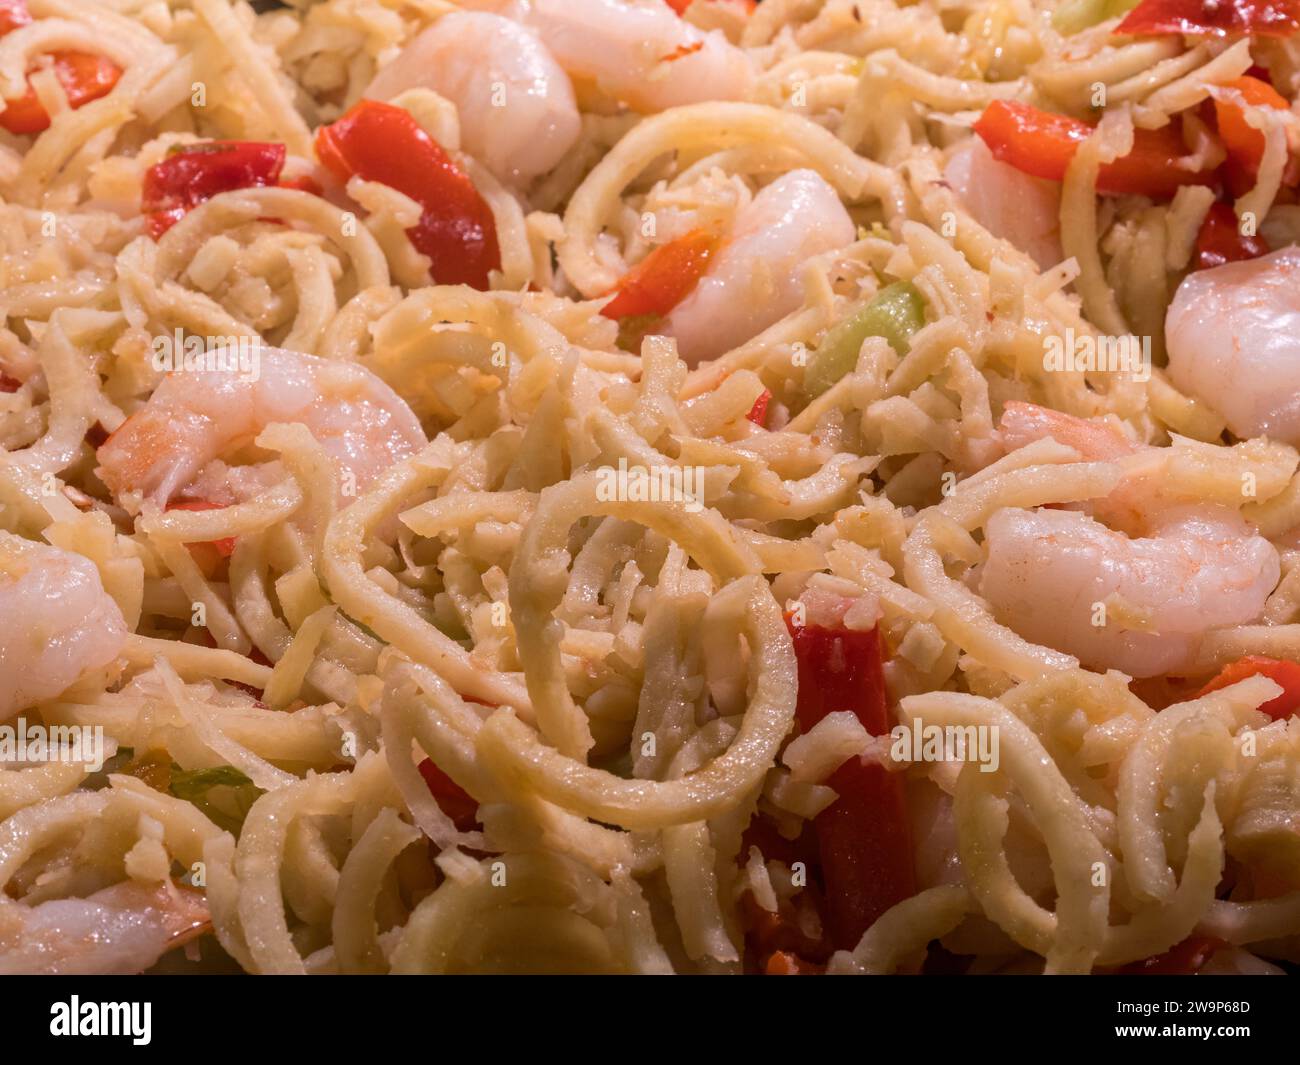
pixel 9 384
pixel 381 142
pixel 226 545
pixel 864 838
pixel 1220 239
pixel 303 183
pixel 454 800
pixel 766 931
pixel 1043 144
pixel 1182 959
pixel 84 77
pixel 1212 18
pixel 1285 674
pixel 194 173
pixel 663 278
pixel 1243 143
pixel 758 412
pixel 783 963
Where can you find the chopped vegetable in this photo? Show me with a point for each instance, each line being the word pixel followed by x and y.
pixel 1220 239
pixel 784 932
pixel 303 183
pixel 194 173
pixel 1043 144
pixel 663 278
pixel 84 77
pixel 863 837
pixel 896 313
pixel 154 767
pixel 1074 16
pixel 381 142
pixel 1182 959
pixel 1213 18
pixel 1243 143
pixel 455 801
pixel 783 963
pixel 223 794
pixel 633 331
pixel 1285 674
pixel 758 412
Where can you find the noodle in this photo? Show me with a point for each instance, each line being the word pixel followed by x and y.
pixel 631 487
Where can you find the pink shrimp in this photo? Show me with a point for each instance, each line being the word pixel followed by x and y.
pixel 194 417
pixel 1137 603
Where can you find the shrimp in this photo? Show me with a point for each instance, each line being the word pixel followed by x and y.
pixel 1129 503
pixel 121 930
pixel 1233 336
pixel 1025 423
pixel 516 105
pixel 1138 603
pixel 56 622
pixel 1201 568
pixel 1010 204
pixel 756 277
pixel 639 51
pixel 195 416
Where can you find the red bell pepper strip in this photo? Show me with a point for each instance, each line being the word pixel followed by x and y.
pixel 226 545
pixel 1285 674
pixel 863 837
pixel 1182 959
pixel 1043 144
pixel 381 142
pixel 1220 239
pixel 1212 18
pixel 84 77
pixel 1243 143
pixel 454 800
pixel 194 173
pixel 663 278
pixel 758 412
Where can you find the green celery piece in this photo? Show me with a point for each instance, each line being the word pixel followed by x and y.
pixel 225 809
pixel 896 312
pixel 1074 16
